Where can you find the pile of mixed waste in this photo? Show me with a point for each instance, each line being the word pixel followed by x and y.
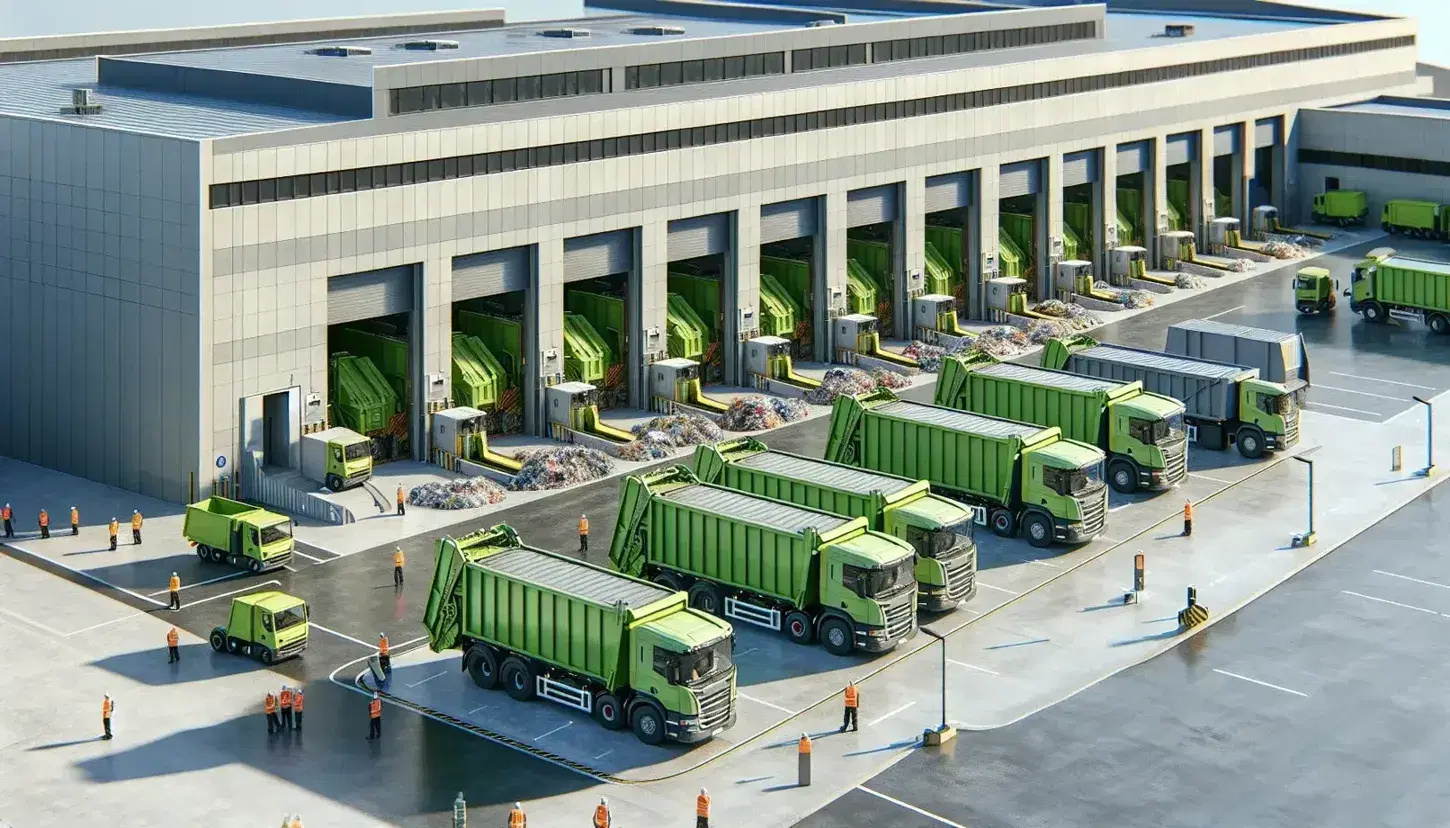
pixel 758 413
pixel 1130 298
pixel 1241 265
pixel 886 378
pixel 1288 250
pixel 469 493
pixel 1188 281
pixel 557 467
pixel 1074 316
pixel 659 437
pixel 1002 341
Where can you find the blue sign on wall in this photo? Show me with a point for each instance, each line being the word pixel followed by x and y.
pixel 221 461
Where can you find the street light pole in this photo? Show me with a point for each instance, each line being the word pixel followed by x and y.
pixel 1429 436
pixel 1309 537
pixel 944 733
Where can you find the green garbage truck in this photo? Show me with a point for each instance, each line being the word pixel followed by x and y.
pixel 1141 433
pixel 1385 286
pixel 270 626
pixel 1416 219
pixel 940 530
pixel 1341 207
pixel 627 652
pixel 339 458
pixel 1013 474
pixel 765 562
pixel 238 534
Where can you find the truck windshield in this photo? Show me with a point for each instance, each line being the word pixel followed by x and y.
pixel 1156 432
pixel 272 534
pixel 701 664
pixel 358 451
pixel 946 540
pixel 1307 283
pixel 1283 404
pixel 290 617
pixel 1087 479
pixel 879 583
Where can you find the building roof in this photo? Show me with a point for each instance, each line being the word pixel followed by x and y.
pixel 957 420
pixel 761 511
pixel 1408 107
pixel 823 473
pixel 575 578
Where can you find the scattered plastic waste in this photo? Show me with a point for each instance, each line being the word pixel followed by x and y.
pixel 886 378
pixel 758 413
pixel 1241 265
pixel 1002 341
pixel 682 429
pixel 1288 249
pixel 1188 281
pixel 555 468
pixel 1130 298
pixel 469 493
pixel 649 445
pixel 838 381
pixel 1076 317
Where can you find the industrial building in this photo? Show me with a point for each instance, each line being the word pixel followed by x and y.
pixel 200 224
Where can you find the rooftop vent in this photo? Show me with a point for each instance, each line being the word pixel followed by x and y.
pixel 340 51
pixel 82 102
pixel 656 30
pixel 564 33
pixel 1178 30
pixel 816 24
pixel 427 45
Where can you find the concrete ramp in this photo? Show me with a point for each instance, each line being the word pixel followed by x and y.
pixel 290 492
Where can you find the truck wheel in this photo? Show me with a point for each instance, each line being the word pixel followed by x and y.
pixel 254 565
pixel 799 628
pixel 482 667
pixel 1373 312
pixel 218 556
pixel 264 655
pixel 1439 323
pixel 233 646
pixel 1251 442
pixel 607 711
pixel 334 483
pixel 1306 308
pixel 1038 528
pixel 667 580
pixel 518 679
pixel 649 724
pixel 705 597
pixel 1004 523
pixel 1123 476
pixel 837 637
pixel 219 639
pixel 1387 227
pixel 203 551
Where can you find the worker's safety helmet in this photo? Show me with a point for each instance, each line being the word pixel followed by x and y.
pixel 603 801
pixel 518 806
pixel 375 694
pixel 702 792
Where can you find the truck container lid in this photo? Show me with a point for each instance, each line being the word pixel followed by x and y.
pixel 1043 376
pixel 823 473
pixel 958 420
pixel 1163 362
pixel 782 517
pixel 1409 263
pixel 1229 329
pixel 589 583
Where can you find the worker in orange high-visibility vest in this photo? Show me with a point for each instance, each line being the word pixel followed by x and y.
pixel 9 518
pixel 385 660
pixel 175 588
pixel 583 533
pixel 173 643
pixel 853 701
pixel 107 708
pixel 1187 518
pixel 135 528
pixel 375 718
pixel 398 566
pixel 702 809
pixel 75 521
pixel 601 814
pixel 297 710
pixel 269 705
pixel 284 700
pixel 44 523
pixel 115 527
pixel 401 510
pixel 517 818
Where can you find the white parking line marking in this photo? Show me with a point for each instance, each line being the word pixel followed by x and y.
pixel 1388 601
pixel 82 573
pixel 604 754
pixel 1361 393
pixel 104 624
pixel 550 733
pixel 746 652
pixel 1408 578
pixel 307 556
pixel 1387 382
pixel 973 667
pixel 1044 563
pixel 894 801
pixel 428 679
pixel 247 588
pixel 185 587
pixel 1206 477
pixel 36 624
pixel 317 626
pixel 1260 683
pixel 1224 313
pixel 1119 508
pixel 997 588
pixel 1317 404
pixel 766 703
pixel 476 709
pixel 878 721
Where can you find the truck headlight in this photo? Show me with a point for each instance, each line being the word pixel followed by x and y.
pixel 877 633
pixel 689 722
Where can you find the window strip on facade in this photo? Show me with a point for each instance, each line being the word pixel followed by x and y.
pixel 408 99
pixel 1364 161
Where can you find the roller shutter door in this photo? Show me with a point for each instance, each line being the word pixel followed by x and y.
pixel 692 238
pixel 1134 157
pixel 1226 140
pixel 1182 148
pixel 603 254
pixel 1266 132
pixel 366 295
pixel 1022 178
pixel 787 220
pixel 1079 168
pixel 948 192
pixel 873 205
pixel 491 273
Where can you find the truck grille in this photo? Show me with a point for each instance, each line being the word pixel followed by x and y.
pixel 1176 459
pixel 1291 431
pixel 293 649
pixel 277 561
pixel 961 574
pixel 1094 513
pixel 714 701
pixel 901 618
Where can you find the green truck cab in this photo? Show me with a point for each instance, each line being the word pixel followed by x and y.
pixel 627 652
pixel 940 530
pixel 238 534
pixel 808 573
pixel 1315 290
pixel 339 458
pixel 1341 207
pixel 1141 433
pixel 269 626
pixel 1013 474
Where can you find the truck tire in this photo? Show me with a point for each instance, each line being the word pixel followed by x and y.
pixel 1251 442
pixel 1039 530
pixel 1306 308
pixel 219 639
pixel 1004 523
pixel 334 483
pixel 837 637
pixel 608 712
pixel 218 555
pixel 264 655
pixel 203 551
pixel 649 724
pixel 482 667
pixel 668 580
pixel 1373 312
pixel 518 679
pixel 799 628
pixel 1387 227
pixel 254 565
pixel 1123 476
pixel 1439 323
pixel 706 598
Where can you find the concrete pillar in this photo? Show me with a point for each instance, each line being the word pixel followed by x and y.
pixel 1107 228
pixel 985 245
pixel 1294 198
pixel 1203 184
pixel 648 297
pixel 742 311
pixel 543 331
pixel 1243 174
pixel 830 272
pixel 1051 204
pixel 909 250
pixel 431 338
pixel 1155 196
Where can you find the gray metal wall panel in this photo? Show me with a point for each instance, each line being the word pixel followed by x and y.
pixel 787 220
pixel 948 192
pixel 1134 157
pixel 599 255
pixel 491 273
pixel 1022 178
pixel 873 205
pixel 1181 149
pixel 1079 168
pixel 372 293
pixel 692 238
pixel 1226 140
pixel 1266 132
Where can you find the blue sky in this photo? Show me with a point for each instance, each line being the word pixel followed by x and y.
pixel 1434 17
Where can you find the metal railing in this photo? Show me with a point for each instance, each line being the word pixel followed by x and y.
pixel 263 489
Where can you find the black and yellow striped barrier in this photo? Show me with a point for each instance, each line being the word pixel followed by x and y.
pixel 1190 617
